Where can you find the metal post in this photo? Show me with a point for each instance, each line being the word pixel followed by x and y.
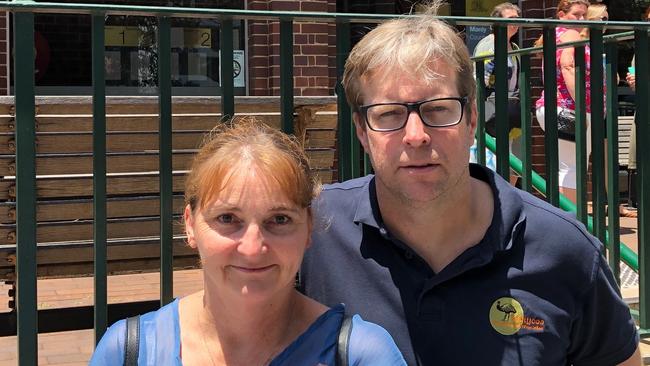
pixel 286 75
pixel 25 189
pixel 165 160
pixel 550 117
pixel 99 176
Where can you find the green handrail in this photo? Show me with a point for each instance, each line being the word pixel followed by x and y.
pixel 627 255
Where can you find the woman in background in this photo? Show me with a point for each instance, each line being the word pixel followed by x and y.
pixel 565 91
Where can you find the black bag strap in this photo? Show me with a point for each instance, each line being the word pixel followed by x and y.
pixel 132 341
pixel 344 341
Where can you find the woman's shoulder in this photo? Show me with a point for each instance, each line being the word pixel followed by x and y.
pixel 370 344
pixel 110 349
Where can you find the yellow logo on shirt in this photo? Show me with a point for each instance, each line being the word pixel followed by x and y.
pixel 507 317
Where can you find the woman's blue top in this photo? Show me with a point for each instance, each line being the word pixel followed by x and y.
pixel 160 342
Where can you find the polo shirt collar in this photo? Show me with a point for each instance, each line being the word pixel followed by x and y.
pixel 367 211
pixel 508 219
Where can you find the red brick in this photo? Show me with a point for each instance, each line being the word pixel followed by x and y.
pixel 313 28
pixel 258 28
pixel 281 5
pixel 321 60
pixel 300 38
pixel 260 83
pixel 313 6
pixel 301 60
pixel 258 62
pixel 322 81
pixel 313 49
pixel 259 39
pixel 260 72
pixel 321 38
pixel 301 81
pixel 314 71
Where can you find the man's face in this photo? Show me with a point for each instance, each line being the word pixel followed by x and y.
pixel 417 163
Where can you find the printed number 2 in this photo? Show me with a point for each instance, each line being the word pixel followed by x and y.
pixel 205 39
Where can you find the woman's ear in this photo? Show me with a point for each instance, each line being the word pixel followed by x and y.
pixel 188 218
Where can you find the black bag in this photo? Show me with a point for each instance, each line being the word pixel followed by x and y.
pixel 566 124
pixel 514 115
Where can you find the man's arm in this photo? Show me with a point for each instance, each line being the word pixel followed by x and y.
pixel 634 360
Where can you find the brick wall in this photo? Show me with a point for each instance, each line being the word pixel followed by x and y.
pixel 314 47
pixel 537 9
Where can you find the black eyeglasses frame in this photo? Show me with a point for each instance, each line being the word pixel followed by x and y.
pixel 415 106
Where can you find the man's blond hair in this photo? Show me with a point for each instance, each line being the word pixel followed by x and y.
pixel 412 45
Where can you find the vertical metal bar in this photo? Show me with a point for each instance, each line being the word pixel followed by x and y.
pixel 550 117
pixel 165 160
pixel 501 99
pixel 597 132
pixel 345 128
pixel 25 189
pixel 355 157
pixel 99 175
pixel 286 75
pixel 227 80
pixel 480 111
pixel 613 227
pixel 642 60
pixel 581 135
pixel 526 130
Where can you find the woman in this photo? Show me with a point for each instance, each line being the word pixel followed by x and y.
pixel 565 81
pixel 248 214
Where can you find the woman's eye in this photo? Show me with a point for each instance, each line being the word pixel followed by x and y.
pixel 280 220
pixel 226 219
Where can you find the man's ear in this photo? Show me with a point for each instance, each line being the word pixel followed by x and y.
pixel 188 218
pixel 361 130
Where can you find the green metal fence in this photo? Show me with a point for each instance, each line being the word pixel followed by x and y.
pixel 350 159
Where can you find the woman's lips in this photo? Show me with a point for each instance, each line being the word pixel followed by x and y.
pixel 247 269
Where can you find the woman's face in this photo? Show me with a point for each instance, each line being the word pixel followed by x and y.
pixel 576 12
pixel 251 237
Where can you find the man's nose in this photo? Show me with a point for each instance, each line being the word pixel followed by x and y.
pixel 415 131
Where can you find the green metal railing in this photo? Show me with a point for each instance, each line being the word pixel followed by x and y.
pixel 349 153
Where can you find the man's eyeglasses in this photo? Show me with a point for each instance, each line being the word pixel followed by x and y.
pixel 439 112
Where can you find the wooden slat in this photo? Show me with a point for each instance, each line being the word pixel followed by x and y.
pixel 82 186
pixel 127 163
pixel 82 209
pixel 625 125
pixel 149 122
pixel 66 231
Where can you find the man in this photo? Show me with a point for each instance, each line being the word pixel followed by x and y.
pixel 461 268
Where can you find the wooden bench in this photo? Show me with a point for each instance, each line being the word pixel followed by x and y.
pixel 64 182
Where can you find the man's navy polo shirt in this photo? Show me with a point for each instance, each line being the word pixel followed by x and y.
pixel 534 291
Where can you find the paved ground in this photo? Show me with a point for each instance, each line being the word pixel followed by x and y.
pixel 75 348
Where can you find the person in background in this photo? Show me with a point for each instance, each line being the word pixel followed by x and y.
pixel 459 266
pixel 565 81
pixel 248 214
pixel 630 78
pixel 486 47
pixel 598 12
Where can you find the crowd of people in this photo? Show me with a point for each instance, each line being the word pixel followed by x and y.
pixel 431 260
